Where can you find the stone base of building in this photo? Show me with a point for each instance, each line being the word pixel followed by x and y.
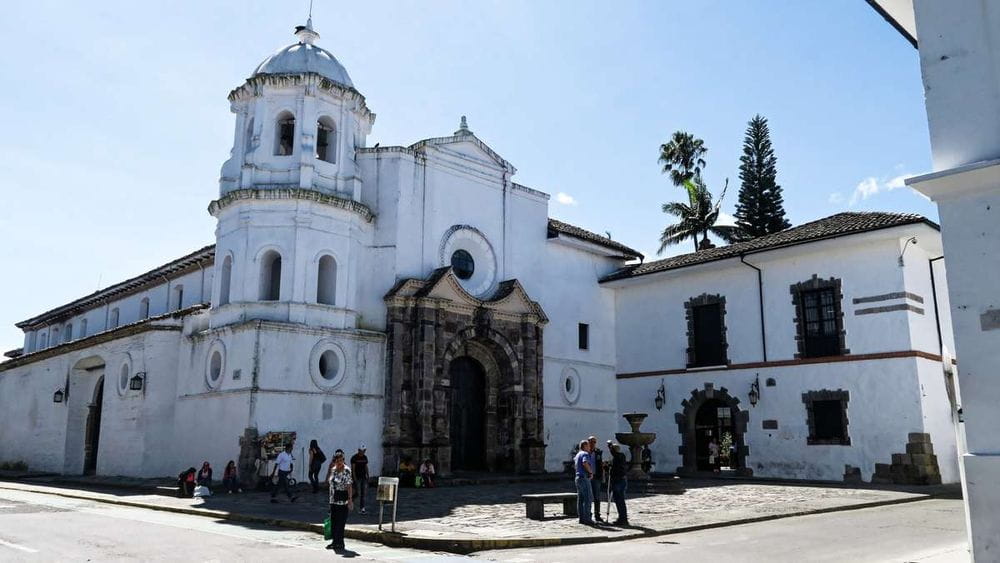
pixel 918 466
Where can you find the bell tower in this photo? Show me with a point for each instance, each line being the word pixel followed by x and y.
pixel 291 225
pixel 299 120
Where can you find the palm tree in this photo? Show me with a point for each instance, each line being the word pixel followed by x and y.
pixel 698 217
pixel 682 157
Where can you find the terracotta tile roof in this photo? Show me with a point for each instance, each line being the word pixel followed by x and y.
pixel 558 227
pixel 154 276
pixel 829 227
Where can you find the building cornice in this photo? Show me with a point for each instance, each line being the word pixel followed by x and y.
pixel 171 270
pixel 146 325
pixel 291 194
pixel 253 87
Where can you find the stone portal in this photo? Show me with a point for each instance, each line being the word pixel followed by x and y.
pixel 464 377
pixel 701 421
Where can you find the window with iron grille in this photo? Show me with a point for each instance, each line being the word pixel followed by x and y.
pixel 819 319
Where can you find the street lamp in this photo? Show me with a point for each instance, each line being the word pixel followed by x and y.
pixel 661 396
pixel 755 391
pixel 135 383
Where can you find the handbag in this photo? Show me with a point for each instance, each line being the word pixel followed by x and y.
pixel 327 529
pixel 418 481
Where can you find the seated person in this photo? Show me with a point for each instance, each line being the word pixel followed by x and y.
pixel 205 475
pixel 407 473
pixel 186 482
pixel 427 474
pixel 231 478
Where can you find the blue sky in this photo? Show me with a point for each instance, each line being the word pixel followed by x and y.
pixel 116 119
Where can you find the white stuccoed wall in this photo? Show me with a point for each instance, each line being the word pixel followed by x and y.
pixel 889 397
pixel 959 45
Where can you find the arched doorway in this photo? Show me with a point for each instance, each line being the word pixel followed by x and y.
pixel 713 421
pixel 468 414
pixel 93 433
pixel 708 414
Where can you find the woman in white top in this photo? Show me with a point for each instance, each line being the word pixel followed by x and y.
pixel 341 498
pixel 427 473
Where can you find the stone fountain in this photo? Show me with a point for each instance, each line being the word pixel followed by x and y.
pixel 635 440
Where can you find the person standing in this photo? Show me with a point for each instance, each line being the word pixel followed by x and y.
pixel 597 464
pixel 316 459
pixel 584 474
pixel 713 455
pixel 283 467
pixel 341 482
pixel 619 482
pixel 427 474
pixel 359 468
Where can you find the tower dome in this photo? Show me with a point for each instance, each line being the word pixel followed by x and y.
pixel 304 57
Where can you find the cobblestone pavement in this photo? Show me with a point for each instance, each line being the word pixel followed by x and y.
pixel 496 511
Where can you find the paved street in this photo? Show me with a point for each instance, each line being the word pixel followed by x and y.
pixel 38 527
pixel 931 531
pixel 496 511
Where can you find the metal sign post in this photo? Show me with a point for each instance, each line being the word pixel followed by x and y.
pixel 388 491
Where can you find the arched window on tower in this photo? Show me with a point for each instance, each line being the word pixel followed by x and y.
pixel 248 141
pixel 270 276
pixel 225 278
pixel 326 140
pixel 144 308
pixel 326 281
pixel 284 134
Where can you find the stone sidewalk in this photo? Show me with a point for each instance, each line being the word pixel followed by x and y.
pixel 470 518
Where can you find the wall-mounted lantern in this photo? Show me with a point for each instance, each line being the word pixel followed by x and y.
pixel 137 381
pixel 58 396
pixel 661 396
pixel 755 391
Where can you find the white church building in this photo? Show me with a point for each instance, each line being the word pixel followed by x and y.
pixel 418 300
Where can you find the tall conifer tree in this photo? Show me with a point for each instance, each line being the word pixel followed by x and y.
pixel 761 209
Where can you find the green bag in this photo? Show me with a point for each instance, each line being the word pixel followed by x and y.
pixel 418 481
pixel 328 528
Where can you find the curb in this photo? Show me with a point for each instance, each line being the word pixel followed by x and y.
pixel 466 546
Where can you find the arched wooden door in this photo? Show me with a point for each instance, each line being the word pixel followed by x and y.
pixel 468 414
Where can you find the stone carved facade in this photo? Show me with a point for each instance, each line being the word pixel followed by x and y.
pixel 433 322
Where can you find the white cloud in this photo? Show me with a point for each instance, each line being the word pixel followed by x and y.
pixel 726 219
pixel 872 186
pixel 565 199
pixel 836 198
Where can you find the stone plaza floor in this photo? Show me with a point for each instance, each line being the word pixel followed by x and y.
pixel 495 511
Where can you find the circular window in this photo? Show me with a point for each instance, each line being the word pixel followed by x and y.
pixel 216 364
pixel 471 258
pixel 327 364
pixel 570 386
pixel 463 264
pixel 123 378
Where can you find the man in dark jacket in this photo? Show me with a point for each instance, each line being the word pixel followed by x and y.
pixel 619 467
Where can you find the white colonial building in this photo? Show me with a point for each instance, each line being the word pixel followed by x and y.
pixel 418 300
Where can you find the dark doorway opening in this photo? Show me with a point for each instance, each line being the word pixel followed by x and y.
pixel 468 414
pixel 713 421
pixel 93 436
